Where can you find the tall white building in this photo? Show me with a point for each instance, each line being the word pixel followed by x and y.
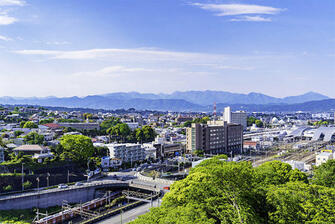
pixel 238 117
pixel 126 152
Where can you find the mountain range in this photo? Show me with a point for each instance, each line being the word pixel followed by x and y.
pixel 183 101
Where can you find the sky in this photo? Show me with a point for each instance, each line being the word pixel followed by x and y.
pixel 78 48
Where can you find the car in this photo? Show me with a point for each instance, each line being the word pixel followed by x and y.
pixel 166 188
pixel 62 186
pixel 78 184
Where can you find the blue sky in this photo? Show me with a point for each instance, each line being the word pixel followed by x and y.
pixel 72 47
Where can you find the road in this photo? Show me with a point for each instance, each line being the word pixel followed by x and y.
pixel 131 214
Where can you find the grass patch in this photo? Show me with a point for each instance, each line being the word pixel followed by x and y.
pixel 24 216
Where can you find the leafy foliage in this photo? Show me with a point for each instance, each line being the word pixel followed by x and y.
pixel 217 191
pixel 77 148
pixel 325 174
pixel 34 139
pixel 30 124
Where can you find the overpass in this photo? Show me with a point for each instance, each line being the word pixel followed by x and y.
pixel 72 194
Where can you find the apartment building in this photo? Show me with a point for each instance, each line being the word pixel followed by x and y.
pixel 127 152
pixel 215 138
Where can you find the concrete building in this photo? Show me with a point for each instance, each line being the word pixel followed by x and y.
pixel 215 139
pixel 126 152
pixel 107 162
pixel 238 117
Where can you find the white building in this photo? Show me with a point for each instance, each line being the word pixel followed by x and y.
pixel 127 152
pixel 237 117
pixel 132 125
pixel 323 157
pixel 107 162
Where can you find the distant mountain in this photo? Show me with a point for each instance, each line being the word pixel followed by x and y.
pixel 311 106
pixel 183 101
pixel 209 97
pixel 310 96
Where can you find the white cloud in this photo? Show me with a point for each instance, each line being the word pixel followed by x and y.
pixel 121 54
pixel 238 9
pixel 5 38
pixel 6 20
pixel 116 71
pixel 251 19
pixel 57 42
pixel 12 2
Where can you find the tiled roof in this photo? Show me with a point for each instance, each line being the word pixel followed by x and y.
pixel 52 125
pixel 29 148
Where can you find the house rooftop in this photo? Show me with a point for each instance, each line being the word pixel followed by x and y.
pixel 29 148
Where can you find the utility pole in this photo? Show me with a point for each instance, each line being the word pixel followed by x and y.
pixel 68 176
pixel 38 184
pixel 121 215
pixel 22 177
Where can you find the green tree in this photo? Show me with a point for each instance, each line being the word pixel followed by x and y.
pixel 251 121
pixel 22 123
pixel 30 124
pixel 18 133
pixel 325 174
pixel 120 132
pixel 107 124
pixel 259 123
pixel 34 139
pixel 187 124
pixel 297 202
pixel 215 191
pixel 8 188
pixel 78 148
pixel 273 173
pixel 27 184
pixel 46 121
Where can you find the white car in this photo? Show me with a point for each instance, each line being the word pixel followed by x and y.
pixel 78 184
pixel 62 186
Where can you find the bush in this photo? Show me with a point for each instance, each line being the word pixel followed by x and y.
pixel 8 188
pixel 27 184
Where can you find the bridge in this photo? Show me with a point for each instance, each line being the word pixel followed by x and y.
pixel 72 194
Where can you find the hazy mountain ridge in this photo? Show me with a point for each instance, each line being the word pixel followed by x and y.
pixel 208 97
pixel 182 101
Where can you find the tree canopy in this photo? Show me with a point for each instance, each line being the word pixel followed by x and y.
pixel 34 139
pixel 78 148
pixel 325 174
pixel 30 124
pixel 218 191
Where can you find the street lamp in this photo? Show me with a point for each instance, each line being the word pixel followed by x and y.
pixel 38 184
pixel 22 177
pixel 48 175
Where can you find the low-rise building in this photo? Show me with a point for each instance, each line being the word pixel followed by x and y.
pixel 323 157
pixel 127 152
pixel 107 162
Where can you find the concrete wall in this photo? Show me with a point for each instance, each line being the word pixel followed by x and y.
pixel 53 198
pixel 44 200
